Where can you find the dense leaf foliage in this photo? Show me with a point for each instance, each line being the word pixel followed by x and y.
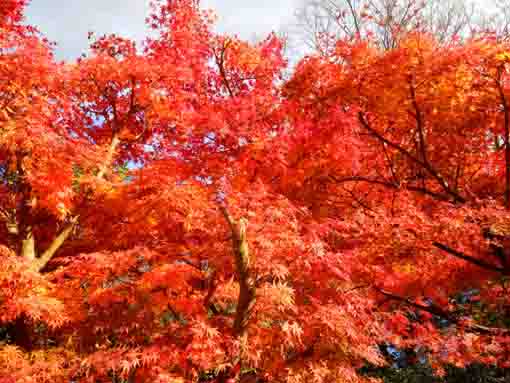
pixel 181 213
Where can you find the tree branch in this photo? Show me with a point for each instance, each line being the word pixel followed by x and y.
pixel 426 166
pixel 477 262
pixel 438 311
pixel 431 309
pixel 419 123
pixel 39 263
pixel 220 61
pixel 390 185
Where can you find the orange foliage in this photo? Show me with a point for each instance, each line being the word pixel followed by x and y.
pixel 146 194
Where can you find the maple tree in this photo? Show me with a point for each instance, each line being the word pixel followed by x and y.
pixel 424 131
pixel 180 213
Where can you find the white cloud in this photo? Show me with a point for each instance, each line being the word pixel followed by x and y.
pixel 249 17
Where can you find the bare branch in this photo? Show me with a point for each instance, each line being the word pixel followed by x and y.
pixel 388 21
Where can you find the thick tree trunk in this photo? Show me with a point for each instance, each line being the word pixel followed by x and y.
pixel 507 158
pixel 20 333
pixel 506 115
pixel 28 246
pixel 109 157
pixel 247 287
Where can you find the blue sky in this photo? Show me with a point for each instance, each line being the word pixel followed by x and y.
pixel 68 21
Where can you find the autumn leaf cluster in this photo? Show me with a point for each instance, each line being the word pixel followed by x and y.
pixel 182 212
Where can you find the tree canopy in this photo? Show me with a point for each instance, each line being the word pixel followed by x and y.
pixel 182 212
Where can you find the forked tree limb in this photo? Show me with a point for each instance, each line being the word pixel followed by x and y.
pixel 40 263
